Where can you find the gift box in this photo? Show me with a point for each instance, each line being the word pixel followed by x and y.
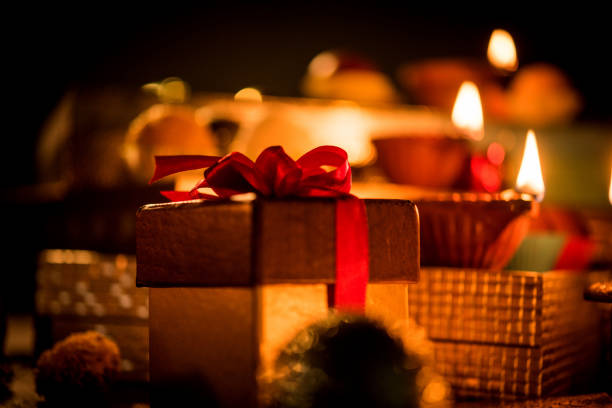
pixel 232 282
pixel 507 334
pixel 85 290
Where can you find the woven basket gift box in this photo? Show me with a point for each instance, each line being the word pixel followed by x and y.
pixel 506 334
pixel 85 290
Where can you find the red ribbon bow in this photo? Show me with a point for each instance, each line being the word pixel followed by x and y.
pixel 275 174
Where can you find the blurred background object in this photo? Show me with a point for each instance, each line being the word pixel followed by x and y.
pixel 435 82
pixel 542 95
pixel 75 147
pixel 354 359
pixel 78 370
pixel 340 75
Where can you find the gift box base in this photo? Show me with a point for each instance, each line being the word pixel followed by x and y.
pixel 219 344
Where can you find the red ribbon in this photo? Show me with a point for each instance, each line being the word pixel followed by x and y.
pixel 275 174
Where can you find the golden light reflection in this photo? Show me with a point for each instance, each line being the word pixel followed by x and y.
pixel 323 65
pixel 248 95
pixel 170 90
pixel 348 129
pixel 186 180
pixel 467 111
pixel 530 179
pixel 610 190
pixel 496 153
pixel 435 392
pixel 502 51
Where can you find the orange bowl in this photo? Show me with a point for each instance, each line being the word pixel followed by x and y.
pixel 422 160
pixel 472 230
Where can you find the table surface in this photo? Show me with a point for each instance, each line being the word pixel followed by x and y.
pixel 23 390
pixel 23 395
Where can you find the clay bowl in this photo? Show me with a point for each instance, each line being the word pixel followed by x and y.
pixel 422 160
pixel 472 230
pixel 435 82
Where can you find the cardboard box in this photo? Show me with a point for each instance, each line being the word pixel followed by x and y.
pixel 232 282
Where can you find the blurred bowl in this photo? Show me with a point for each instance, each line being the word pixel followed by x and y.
pixel 435 82
pixel 422 160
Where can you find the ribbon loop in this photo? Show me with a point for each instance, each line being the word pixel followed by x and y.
pixel 275 174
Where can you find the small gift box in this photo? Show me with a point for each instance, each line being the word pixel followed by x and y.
pixel 232 282
pixel 80 290
pixel 507 334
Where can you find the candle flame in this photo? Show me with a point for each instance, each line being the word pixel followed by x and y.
pixel 501 51
pixel 467 111
pixel 248 95
pixel 530 179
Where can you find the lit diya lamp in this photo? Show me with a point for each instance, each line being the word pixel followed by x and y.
pixel 484 173
pixel 558 238
pixel 469 229
pixel 481 230
pixel 435 82
pixel 434 160
pixel 502 58
pixel 538 94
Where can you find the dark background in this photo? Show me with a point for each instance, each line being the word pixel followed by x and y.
pixel 226 46
pixel 222 47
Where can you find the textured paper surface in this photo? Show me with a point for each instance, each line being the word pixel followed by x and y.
pixel 268 241
pixel 284 310
pixel 507 334
pixel 202 342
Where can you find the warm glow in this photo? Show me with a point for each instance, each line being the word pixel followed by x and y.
pixel 496 153
pixel 323 65
pixel 170 90
pixel 610 190
pixel 530 179
pixel 248 95
pixel 467 112
pixel 348 129
pixel 502 52
pixel 186 180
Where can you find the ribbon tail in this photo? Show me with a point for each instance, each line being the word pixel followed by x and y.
pixel 352 255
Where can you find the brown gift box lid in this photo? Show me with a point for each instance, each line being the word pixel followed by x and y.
pixel 204 243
